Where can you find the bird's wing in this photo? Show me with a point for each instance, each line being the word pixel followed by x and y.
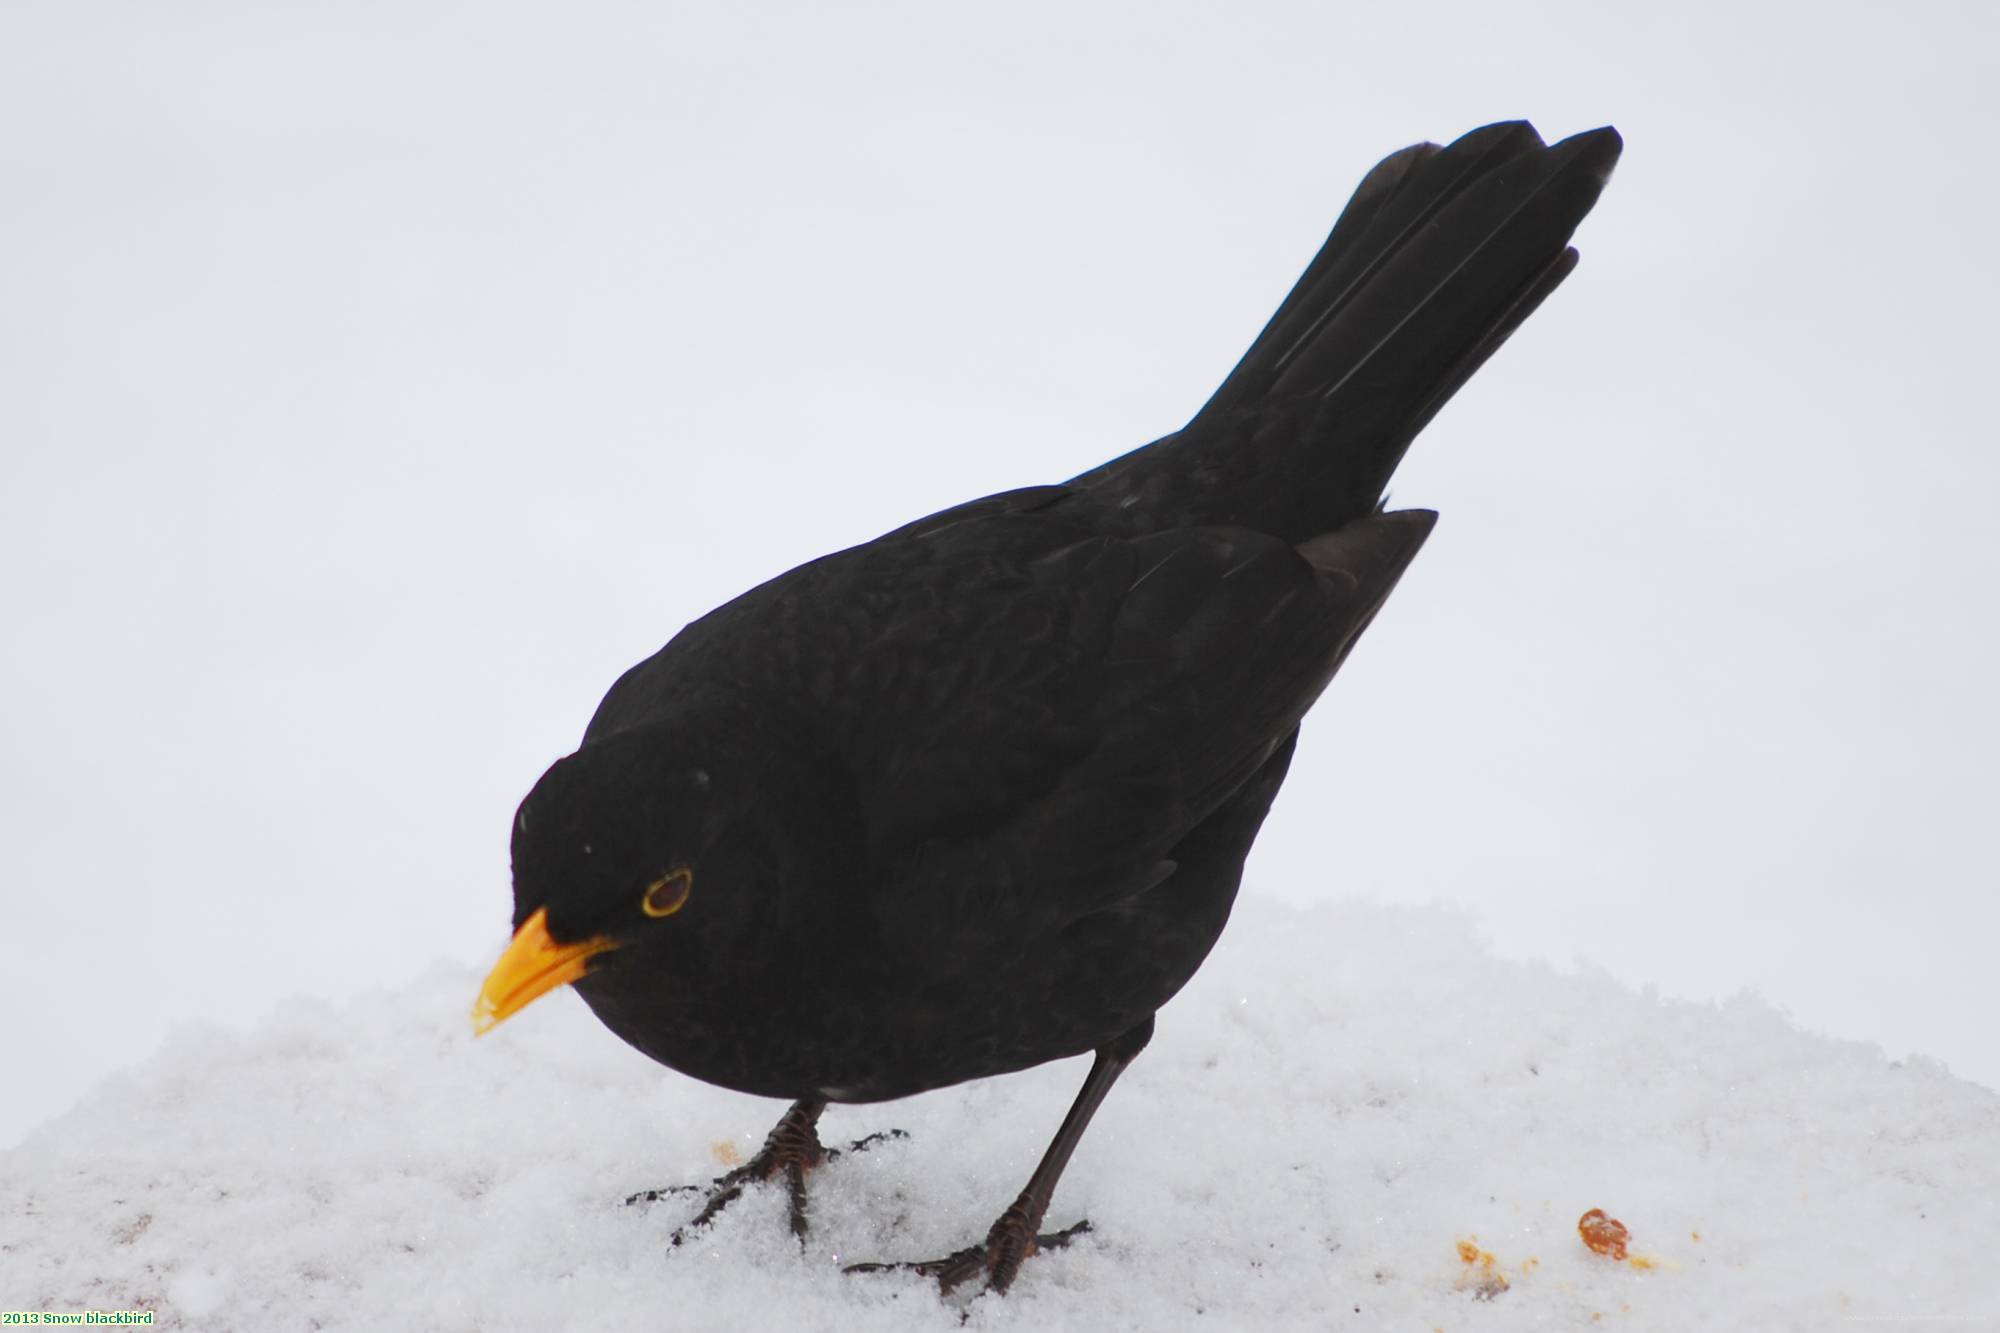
pixel 1046 729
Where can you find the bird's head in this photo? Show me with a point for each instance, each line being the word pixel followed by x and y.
pixel 624 853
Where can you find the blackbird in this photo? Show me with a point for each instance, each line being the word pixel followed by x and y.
pixel 976 794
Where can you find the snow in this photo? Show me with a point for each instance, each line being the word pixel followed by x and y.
pixel 1355 1117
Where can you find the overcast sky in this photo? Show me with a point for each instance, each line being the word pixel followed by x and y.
pixel 381 380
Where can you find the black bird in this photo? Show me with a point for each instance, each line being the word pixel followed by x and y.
pixel 976 794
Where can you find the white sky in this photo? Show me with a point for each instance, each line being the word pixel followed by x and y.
pixel 380 381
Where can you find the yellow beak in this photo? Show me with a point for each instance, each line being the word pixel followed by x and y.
pixel 533 965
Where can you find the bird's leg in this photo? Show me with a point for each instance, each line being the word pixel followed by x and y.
pixel 1017 1234
pixel 792 1148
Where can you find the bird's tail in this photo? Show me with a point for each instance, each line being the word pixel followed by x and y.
pixel 1437 259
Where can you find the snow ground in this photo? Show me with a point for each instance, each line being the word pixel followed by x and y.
pixel 1342 1099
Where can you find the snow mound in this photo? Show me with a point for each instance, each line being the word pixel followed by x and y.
pixel 1356 1117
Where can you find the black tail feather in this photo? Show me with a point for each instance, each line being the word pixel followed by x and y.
pixel 1437 259
pixel 1496 205
pixel 1503 328
pixel 1314 329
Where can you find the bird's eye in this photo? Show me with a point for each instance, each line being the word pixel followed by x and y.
pixel 668 894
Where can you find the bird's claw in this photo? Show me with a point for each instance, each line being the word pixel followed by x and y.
pixel 791 1151
pixel 1006 1247
pixel 867 1141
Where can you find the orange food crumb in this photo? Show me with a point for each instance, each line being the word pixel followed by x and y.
pixel 1605 1235
pixel 726 1152
pixel 1482 1271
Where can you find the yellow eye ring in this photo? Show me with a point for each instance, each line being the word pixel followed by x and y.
pixel 668 894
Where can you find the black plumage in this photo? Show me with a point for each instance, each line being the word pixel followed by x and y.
pixel 976 794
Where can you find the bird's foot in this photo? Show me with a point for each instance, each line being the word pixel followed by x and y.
pixel 1006 1247
pixel 867 1141
pixel 790 1151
